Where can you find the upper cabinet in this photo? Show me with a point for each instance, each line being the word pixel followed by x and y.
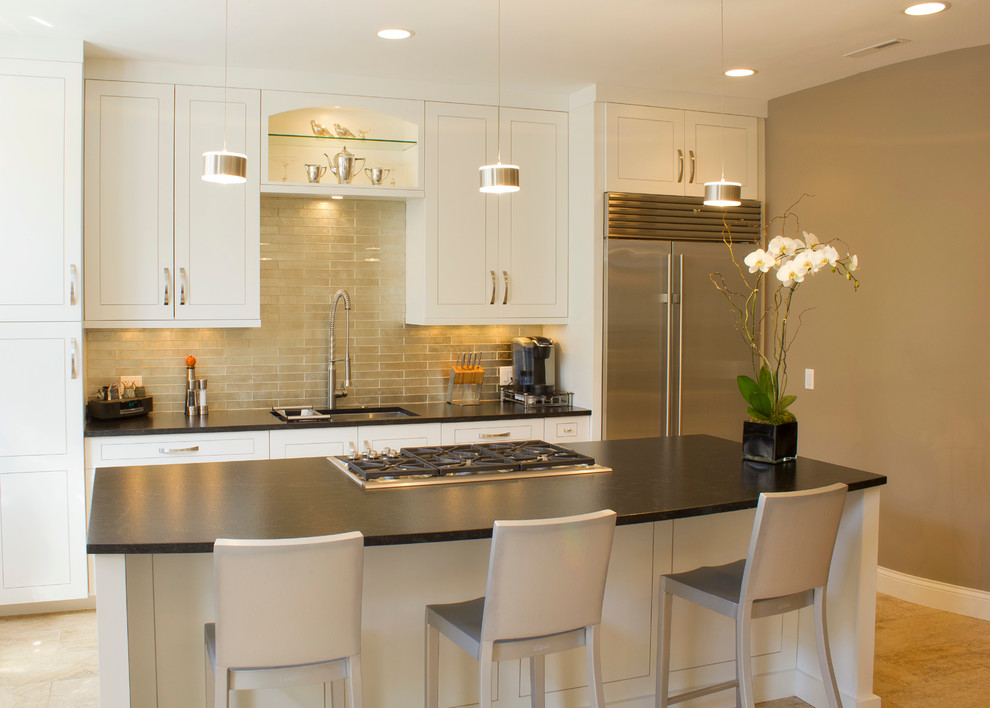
pixel 155 261
pixel 669 151
pixel 480 258
pixel 322 144
pixel 40 198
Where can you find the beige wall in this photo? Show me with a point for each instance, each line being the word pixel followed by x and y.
pixel 899 162
pixel 310 248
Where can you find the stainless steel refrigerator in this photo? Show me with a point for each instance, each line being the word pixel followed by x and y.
pixel 672 349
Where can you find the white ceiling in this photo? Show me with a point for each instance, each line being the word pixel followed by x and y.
pixel 557 46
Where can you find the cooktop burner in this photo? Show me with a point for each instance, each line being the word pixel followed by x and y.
pixel 445 464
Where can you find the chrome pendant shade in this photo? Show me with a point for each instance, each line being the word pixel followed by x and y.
pixel 224 167
pixel 221 166
pixel 723 194
pixel 499 178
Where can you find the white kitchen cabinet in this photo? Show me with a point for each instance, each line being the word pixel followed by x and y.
pixel 489 431
pixel 40 198
pixel 175 448
pixel 324 442
pixel 162 247
pixel 42 486
pixel 488 258
pixel 669 151
pixel 567 430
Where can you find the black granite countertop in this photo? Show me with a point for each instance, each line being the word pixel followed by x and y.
pixel 185 508
pixel 232 421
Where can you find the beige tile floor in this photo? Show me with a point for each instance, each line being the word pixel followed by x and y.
pixel 924 657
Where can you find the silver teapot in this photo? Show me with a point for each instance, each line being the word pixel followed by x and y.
pixel 345 165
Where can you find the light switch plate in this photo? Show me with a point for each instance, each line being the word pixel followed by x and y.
pixel 809 378
pixel 504 375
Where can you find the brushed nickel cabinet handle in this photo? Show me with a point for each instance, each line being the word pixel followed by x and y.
pixel 74 369
pixel 183 279
pixel 505 295
pixel 680 163
pixel 494 435
pixel 492 301
pixel 173 450
pixel 168 282
pixel 693 164
pixel 73 280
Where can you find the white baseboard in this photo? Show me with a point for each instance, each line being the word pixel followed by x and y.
pixel 40 608
pixel 940 596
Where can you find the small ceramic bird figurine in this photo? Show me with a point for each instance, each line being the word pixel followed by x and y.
pixel 318 129
pixel 342 131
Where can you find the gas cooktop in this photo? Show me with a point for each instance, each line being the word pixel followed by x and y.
pixel 451 464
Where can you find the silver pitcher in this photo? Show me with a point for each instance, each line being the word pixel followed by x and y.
pixel 377 175
pixel 345 165
pixel 315 172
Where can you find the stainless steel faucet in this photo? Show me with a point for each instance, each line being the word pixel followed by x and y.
pixel 332 393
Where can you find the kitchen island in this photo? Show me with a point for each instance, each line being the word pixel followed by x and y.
pixel 680 502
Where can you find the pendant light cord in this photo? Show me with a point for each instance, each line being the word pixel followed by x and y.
pixel 226 29
pixel 721 40
pixel 498 64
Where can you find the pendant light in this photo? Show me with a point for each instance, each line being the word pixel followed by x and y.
pixel 221 166
pixel 723 193
pixel 499 178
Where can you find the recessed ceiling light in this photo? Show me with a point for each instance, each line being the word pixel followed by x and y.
pixel 40 21
pixel 395 33
pixel 740 72
pixel 926 8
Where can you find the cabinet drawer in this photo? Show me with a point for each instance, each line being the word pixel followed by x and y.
pixel 564 430
pixel 312 442
pixel 169 449
pixel 492 431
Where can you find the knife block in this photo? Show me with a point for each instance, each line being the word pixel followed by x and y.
pixel 464 385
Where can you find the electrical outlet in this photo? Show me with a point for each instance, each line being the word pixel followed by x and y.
pixel 127 380
pixel 809 378
pixel 504 375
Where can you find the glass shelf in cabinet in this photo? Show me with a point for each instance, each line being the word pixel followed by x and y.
pixel 283 139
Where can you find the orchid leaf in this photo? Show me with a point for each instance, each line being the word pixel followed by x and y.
pixel 747 386
pixel 767 384
pixel 786 401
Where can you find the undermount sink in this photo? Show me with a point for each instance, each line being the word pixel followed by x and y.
pixel 292 414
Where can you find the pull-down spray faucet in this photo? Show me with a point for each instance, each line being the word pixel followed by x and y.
pixel 332 393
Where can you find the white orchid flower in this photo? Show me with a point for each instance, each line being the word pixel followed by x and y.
pixel 853 263
pixel 831 255
pixel 776 245
pixel 759 260
pixel 810 239
pixel 818 258
pixel 791 272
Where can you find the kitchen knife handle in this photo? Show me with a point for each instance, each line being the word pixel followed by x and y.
pixel 680 169
pixel 182 286
pixel 173 450
pixel 505 295
pixel 73 284
pixel 691 181
pixel 168 280
pixel 492 301
pixel 494 435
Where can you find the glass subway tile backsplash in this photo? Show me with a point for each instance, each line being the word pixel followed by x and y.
pixel 310 248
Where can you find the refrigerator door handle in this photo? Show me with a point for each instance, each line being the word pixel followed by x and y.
pixel 670 308
pixel 680 338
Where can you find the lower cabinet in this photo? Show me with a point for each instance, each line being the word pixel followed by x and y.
pixel 483 431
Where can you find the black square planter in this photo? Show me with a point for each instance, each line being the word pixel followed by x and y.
pixel 763 442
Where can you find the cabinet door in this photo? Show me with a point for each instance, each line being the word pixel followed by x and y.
pixel 312 442
pixel 708 138
pixel 217 226
pixel 461 223
pixel 532 252
pixel 644 150
pixel 42 489
pixel 128 221
pixel 40 209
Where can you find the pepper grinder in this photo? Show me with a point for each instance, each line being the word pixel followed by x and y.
pixel 192 398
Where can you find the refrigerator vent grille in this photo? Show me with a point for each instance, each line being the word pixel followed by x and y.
pixel 657 216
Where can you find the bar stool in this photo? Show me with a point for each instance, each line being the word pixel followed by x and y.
pixel 288 613
pixel 546 583
pixel 785 569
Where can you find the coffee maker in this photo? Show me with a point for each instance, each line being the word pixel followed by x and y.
pixel 534 365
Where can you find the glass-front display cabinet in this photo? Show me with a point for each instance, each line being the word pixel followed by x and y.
pixel 346 145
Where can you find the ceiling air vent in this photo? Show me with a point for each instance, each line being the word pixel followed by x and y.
pixel 875 48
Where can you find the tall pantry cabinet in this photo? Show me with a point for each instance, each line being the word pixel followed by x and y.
pixel 42 487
